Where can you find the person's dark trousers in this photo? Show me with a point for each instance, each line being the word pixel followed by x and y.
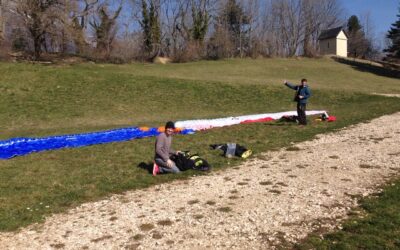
pixel 301 113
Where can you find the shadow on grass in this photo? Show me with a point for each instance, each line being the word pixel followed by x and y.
pixel 280 124
pixel 366 67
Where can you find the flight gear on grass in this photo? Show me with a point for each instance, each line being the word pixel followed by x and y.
pixel 185 161
pixel 203 124
pixel 232 149
pixel 326 117
pixel 22 146
pixel 289 118
pixel 26 145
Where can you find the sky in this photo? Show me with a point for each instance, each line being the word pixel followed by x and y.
pixel 382 13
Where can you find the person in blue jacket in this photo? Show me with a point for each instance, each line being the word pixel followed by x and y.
pixel 303 92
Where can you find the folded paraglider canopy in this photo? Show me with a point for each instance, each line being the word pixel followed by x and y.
pixel 22 146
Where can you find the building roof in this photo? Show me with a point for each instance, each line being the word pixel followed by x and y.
pixel 331 33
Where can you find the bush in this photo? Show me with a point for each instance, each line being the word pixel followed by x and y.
pixel 193 51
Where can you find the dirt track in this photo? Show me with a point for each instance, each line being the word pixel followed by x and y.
pixel 274 199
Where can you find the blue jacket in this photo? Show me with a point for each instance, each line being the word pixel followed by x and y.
pixel 303 91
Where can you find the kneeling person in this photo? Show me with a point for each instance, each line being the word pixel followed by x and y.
pixel 163 164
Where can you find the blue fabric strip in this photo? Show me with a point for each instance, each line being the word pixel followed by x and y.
pixel 22 146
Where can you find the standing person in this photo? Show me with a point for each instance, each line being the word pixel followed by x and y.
pixel 162 162
pixel 303 92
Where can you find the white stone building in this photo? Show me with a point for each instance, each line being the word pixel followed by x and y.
pixel 333 42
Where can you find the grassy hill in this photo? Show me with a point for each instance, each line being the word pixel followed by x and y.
pixel 37 100
pixel 324 73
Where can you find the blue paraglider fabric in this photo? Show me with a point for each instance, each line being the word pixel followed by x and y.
pixel 22 146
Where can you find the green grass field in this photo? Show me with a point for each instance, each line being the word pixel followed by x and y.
pixel 375 225
pixel 37 100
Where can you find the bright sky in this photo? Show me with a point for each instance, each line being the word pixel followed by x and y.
pixel 382 13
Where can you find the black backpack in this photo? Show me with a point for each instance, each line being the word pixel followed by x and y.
pixel 182 162
pixel 199 163
pixel 185 161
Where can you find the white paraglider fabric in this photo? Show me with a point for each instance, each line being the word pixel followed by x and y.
pixel 203 124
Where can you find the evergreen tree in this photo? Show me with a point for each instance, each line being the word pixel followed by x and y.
pixel 353 24
pixel 200 23
pixel 394 36
pixel 235 21
pixel 150 27
pixel 154 24
pixel 145 23
pixel 235 17
pixel 358 45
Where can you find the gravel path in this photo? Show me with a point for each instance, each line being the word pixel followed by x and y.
pixel 275 199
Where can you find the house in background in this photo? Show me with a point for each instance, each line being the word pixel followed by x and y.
pixel 333 42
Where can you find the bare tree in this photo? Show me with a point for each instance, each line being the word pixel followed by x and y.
pixel 358 44
pixel 105 29
pixel 79 12
pixel 252 12
pixel 186 26
pixel 4 43
pixel 176 13
pixel 173 17
pixel 370 36
pixel 183 29
pixel 38 17
pixel 317 15
pixel 291 27
pixel 193 27
pixel 2 20
pixel 310 24
pixel 231 29
pixel 288 21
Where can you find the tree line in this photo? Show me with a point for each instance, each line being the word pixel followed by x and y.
pixel 184 30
